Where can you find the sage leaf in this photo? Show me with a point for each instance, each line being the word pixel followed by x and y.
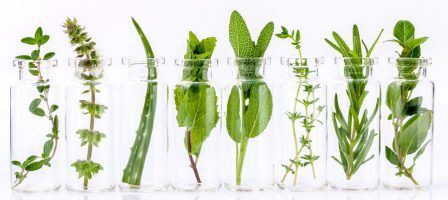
pixel 239 37
pixel 259 110
pixel 264 39
pixel 233 118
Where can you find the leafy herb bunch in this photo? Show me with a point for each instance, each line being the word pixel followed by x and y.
pixel 249 107
pixel 40 107
pixel 196 101
pixel 309 103
pixel 352 131
pixel 92 71
pixel 411 122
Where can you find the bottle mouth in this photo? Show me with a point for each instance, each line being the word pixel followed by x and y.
pixel 356 61
pixel 42 64
pixel 89 63
pixel 204 63
pixel 142 61
pixel 249 61
pixel 420 62
pixel 301 62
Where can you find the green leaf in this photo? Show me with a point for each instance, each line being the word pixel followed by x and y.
pixel 369 53
pixel 146 45
pixel 24 57
pixel 49 55
pixel 391 156
pixel 34 166
pixel 35 54
pixel 16 163
pixel 394 99
pixel 413 43
pixel 28 40
pixel 48 147
pixel 259 109
pixel 197 110
pixel 39 112
pixel 421 151
pixel 29 160
pixel 413 106
pixel 264 39
pixel 233 118
pixel 44 39
pixel 38 34
pixel 414 133
pixel 346 52
pixel 86 169
pixel 357 41
pixel 54 108
pixel 403 31
pixel 239 37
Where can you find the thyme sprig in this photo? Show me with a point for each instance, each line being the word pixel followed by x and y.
pixel 35 162
pixel 308 120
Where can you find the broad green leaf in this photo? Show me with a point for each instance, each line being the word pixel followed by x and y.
pixel 49 55
pixel 38 34
pixel 394 99
pixel 34 166
pixel 412 106
pixel 414 133
pixel 239 37
pixel 197 110
pixel 259 109
pixel 233 118
pixel 403 31
pixel 391 156
pixel 264 39
pixel 413 43
pixel 34 104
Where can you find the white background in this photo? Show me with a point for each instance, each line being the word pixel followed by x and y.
pixel 167 22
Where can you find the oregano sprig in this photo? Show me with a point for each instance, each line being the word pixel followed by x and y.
pixel 411 122
pixel 91 64
pixel 40 107
pixel 307 119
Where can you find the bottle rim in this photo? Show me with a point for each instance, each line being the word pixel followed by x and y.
pixel 105 61
pixel 142 60
pixel 21 63
pixel 364 60
pixel 233 61
pixel 423 62
pixel 185 62
pixel 298 62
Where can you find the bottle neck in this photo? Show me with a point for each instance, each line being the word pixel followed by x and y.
pixel 196 70
pixel 410 68
pixel 142 68
pixel 356 68
pixel 89 70
pixel 35 71
pixel 249 68
pixel 302 68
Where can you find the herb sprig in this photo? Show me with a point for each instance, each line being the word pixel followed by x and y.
pixel 91 64
pixel 196 101
pixel 133 171
pixel 354 137
pixel 411 122
pixel 309 118
pixel 249 108
pixel 40 107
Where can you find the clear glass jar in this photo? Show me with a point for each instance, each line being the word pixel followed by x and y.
pixel 143 143
pixel 247 160
pixel 36 124
pixel 353 130
pixel 407 126
pixel 301 162
pixel 90 116
pixel 194 128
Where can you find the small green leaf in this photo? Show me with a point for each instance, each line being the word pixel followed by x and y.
pixel 34 104
pixel 48 147
pixel 34 166
pixel 391 156
pixel 38 34
pixel 16 163
pixel 49 55
pixel 394 99
pixel 39 112
pixel 28 40
pixel 413 43
pixel 35 54
pixel 24 57
pixel 54 108
pixel 413 106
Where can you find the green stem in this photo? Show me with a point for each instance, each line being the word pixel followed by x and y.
pixel 91 129
pixel 240 159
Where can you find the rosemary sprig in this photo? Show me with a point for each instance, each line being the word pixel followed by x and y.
pixel 308 120
pixel 34 162
pixel 91 63
pixel 354 137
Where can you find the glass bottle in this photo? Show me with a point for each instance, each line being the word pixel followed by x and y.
pixel 407 126
pixel 247 139
pixel 36 124
pixel 301 164
pixel 194 128
pixel 90 115
pixel 143 139
pixel 353 129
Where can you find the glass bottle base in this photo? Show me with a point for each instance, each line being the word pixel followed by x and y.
pixel 248 188
pixel 36 188
pixel 390 186
pixel 301 187
pixel 352 187
pixel 142 188
pixel 195 187
pixel 99 188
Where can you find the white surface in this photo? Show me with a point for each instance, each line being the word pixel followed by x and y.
pixel 166 23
